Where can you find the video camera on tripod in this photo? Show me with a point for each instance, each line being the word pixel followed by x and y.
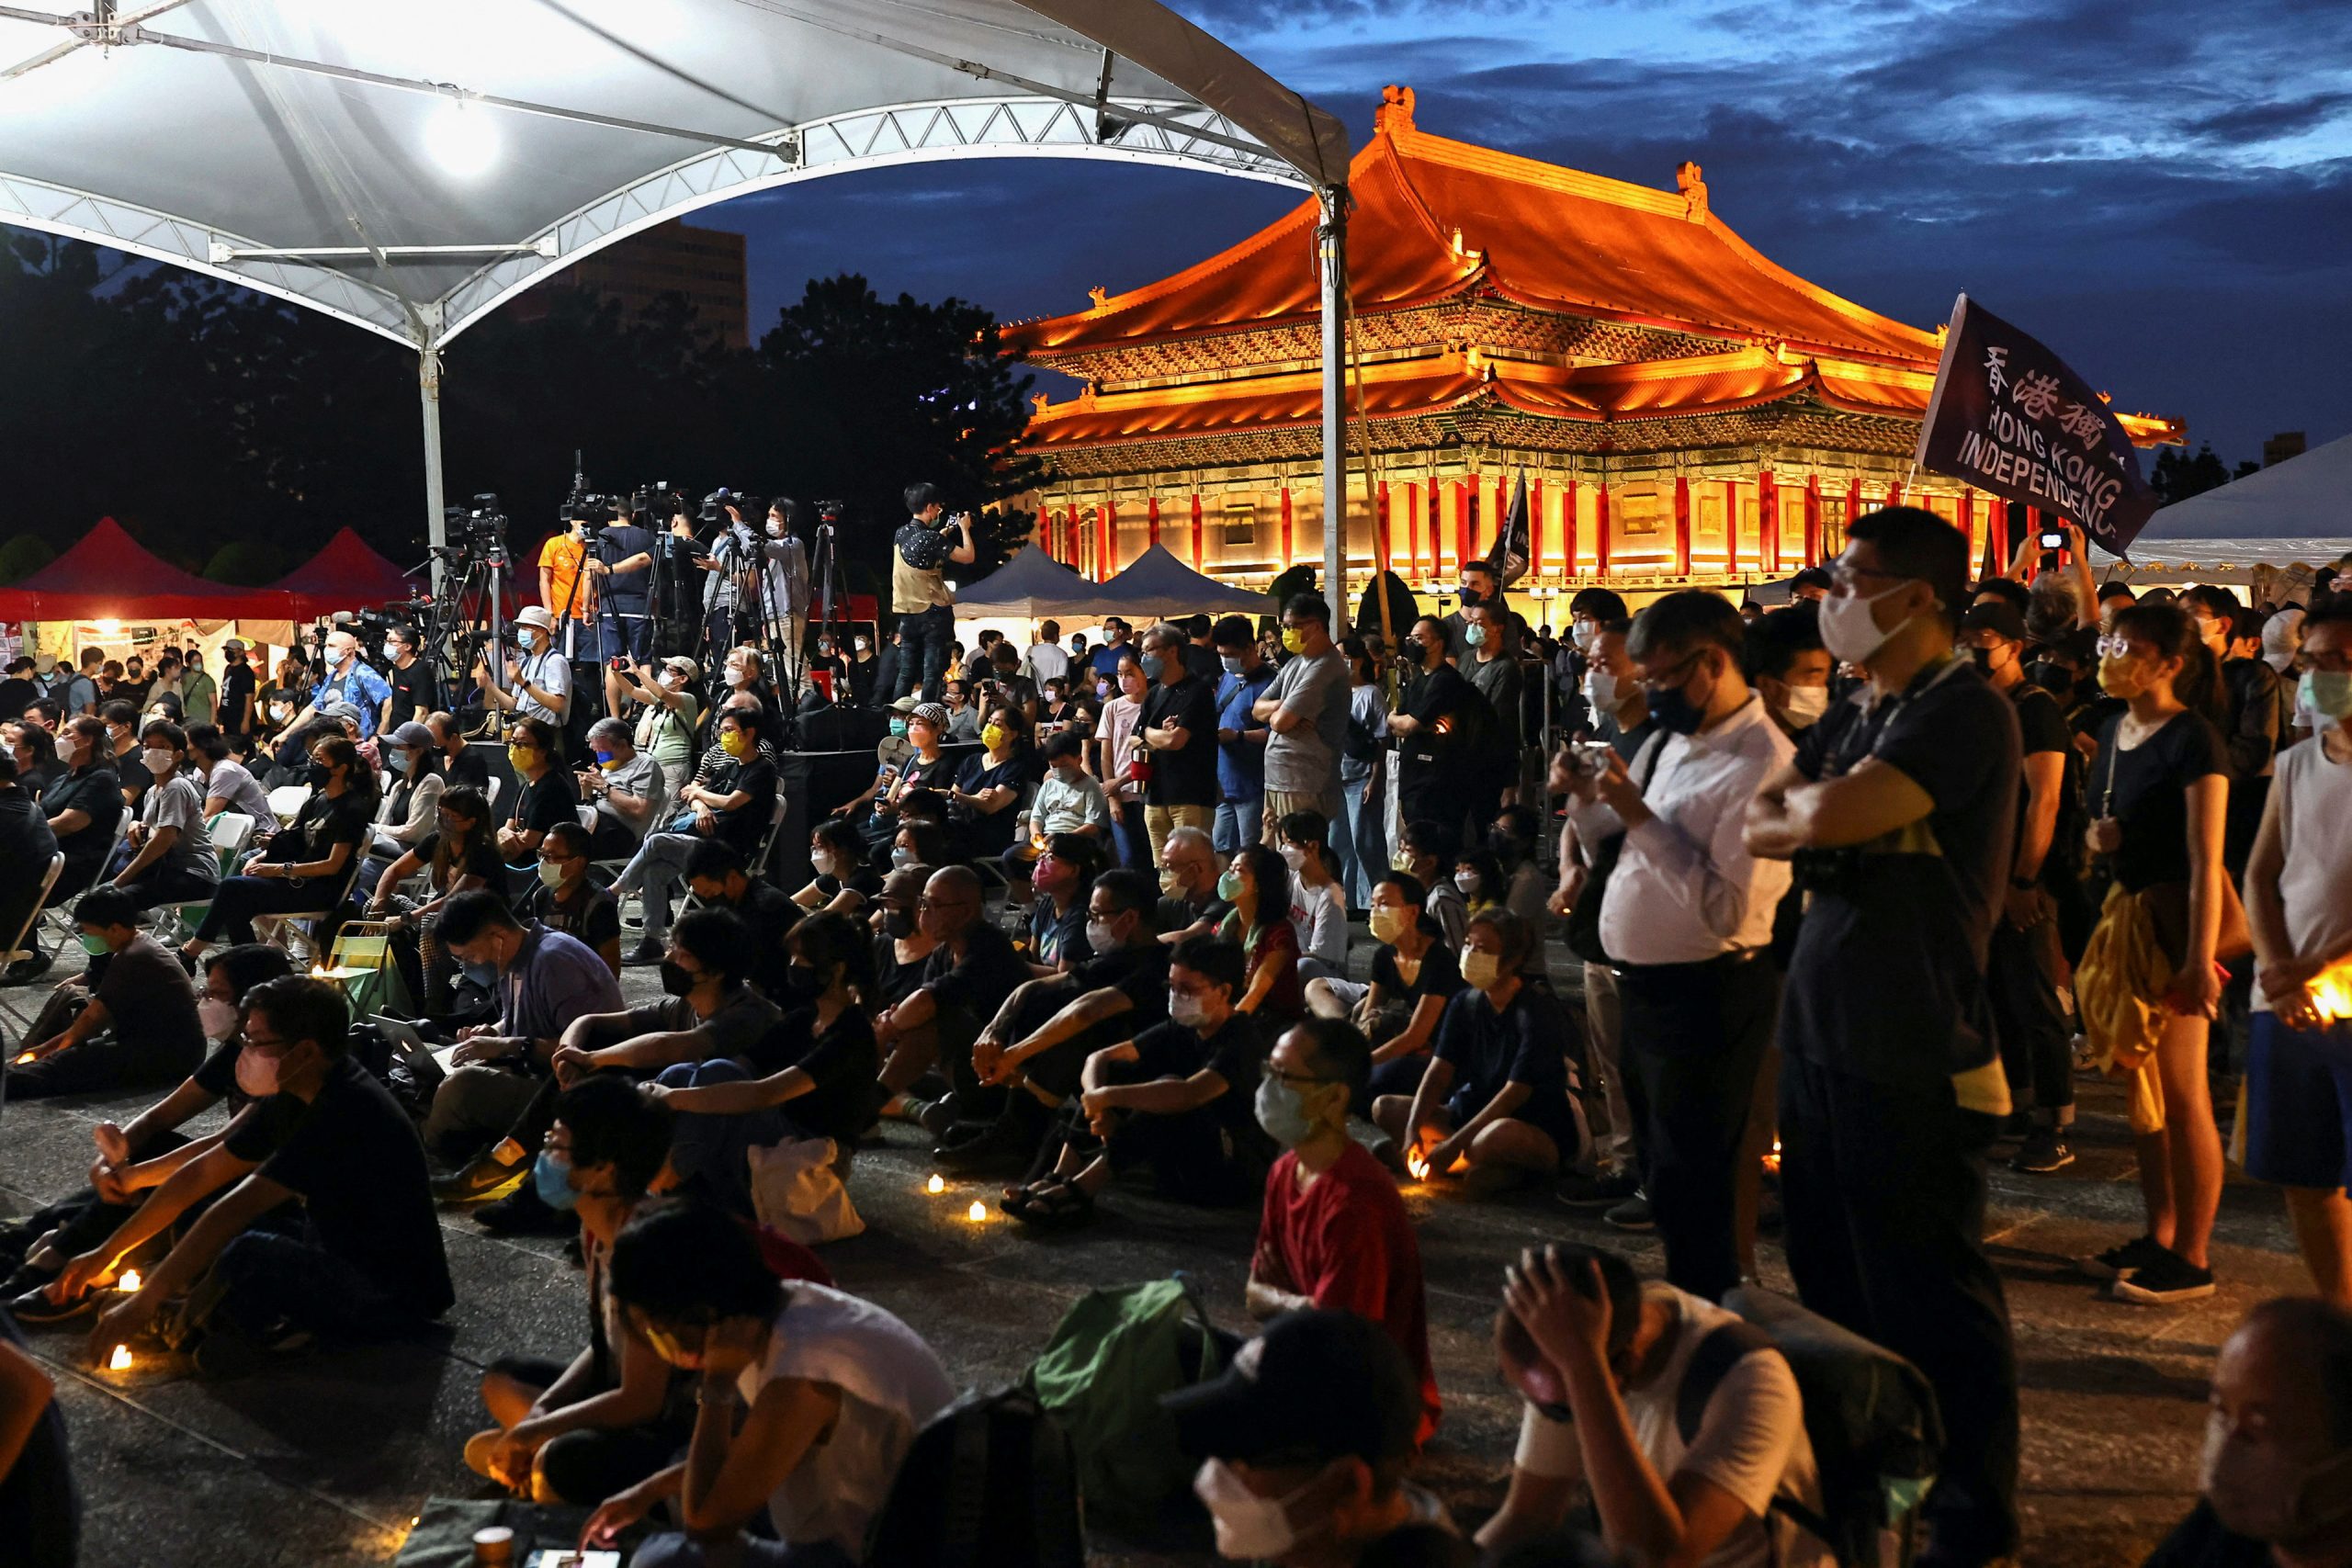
pixel 477 532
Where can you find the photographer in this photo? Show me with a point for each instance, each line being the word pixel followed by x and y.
pixel 624 571
pixel 670 706
pixel 733 558
pixel 784 583
pixel 565 588
pixel 918 593
pixel 539 684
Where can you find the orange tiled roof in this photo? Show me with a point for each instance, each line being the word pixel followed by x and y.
pixel 1550 238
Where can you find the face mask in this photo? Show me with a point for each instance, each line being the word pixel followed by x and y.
pixel 1248 1528
pixel 522 759
pixel 1470 596
pixel 2055 679
pixel 1169 883
pixel 1582 633
pixel 550 874
pixel 1281 1111
pixel 259 1076
pixel 1469 882
pixel 1805 705
pixel 1481 969
pixel 1044 873
pixel 1228 887
pixel 1103 689
pixel 2124 678
pixel 1293 640
pixel 801 984
pixel 897 727
pixel 1152 666
pixel 219 1018
pixel 606 759
pixel 1674 712
pixel 1850 632
pixel 676 978
pixel 396 758
pixel 860 644
pixel 1186 1010
pixel 482 974
pixel 737 674
pixel 902 857
pixel 1232 662
pixel 318 774
pixel 1983 658
pixel 668 679
pixel 1475 636
pixel 159 761
pixel 899 923
pixel 551 1179
pixel 95 946
pixel 1401 861
pixel 2252 1494
pixel 1294 856
pixel 736 744
pixel 775 529
pixel 1098 938
pixel 393 651
pixel 2326 693
pixel 1600 690
pixel 1390 923
pixel 992 736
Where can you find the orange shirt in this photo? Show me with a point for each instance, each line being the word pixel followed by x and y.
pixel 560 560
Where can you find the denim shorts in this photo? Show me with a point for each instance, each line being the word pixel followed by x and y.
pixel 2299 1104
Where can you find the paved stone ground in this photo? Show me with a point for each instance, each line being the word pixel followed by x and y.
pixel 326 1461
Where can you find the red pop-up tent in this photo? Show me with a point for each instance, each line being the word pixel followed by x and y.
pixel 106 575
pixel 345 575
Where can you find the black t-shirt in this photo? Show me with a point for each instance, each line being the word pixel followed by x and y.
pixel 743 826
pixel 324 822
pixel 16 694
pixel 845 1062
pixel 1440 975
pixel 415 691
pixel 235 711
pixel 1237 1054
pixel 1443 695
pixel 1520 1045
pixel 93 789
pixel 550 799
pixel 990 833
pixel 131 774
pixel 893 981
pixel 865 881
pixel 592 916
pixel 1182 914
pixel 482 859
pixel 2041 729
pixel 468 767
pixel 2201 1541
pixel 2147 790
pixel 1887 979
pixel 770 913
pixel 354 1161
pixel 626 591
pixel 978 983
pixel 1184 776
pixel 1140 973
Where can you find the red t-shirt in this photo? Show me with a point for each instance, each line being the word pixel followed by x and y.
pixel 1347 1244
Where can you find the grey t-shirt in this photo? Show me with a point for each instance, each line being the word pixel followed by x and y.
pixel 1307 760
pixel 640 776
pixel 179 802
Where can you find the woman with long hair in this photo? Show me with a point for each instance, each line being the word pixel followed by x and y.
pixel 2149 984
pixel 1257 884
pixel 308 863
pixel 459 856
pixel 1121 712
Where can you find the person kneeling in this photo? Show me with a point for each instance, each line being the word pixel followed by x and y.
pixel 807 1400
pixel 1605 1363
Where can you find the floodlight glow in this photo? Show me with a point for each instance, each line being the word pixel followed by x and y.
pixel 461 139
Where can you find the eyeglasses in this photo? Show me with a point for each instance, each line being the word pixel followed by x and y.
pixel 1680 676
pixel 2111 647
pixel 1844 575
pixel 253 1042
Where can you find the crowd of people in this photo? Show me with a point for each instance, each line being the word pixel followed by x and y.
pixel 1715 921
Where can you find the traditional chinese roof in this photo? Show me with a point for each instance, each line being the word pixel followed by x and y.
pixel 1436 219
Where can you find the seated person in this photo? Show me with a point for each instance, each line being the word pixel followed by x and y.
pixel 545 982
pixel 1414 975
pixel 1257 886
pixel 822 1067
pixel 1600 1358
pixel 1059 880
pixel 1189 903
pixel 735 804
pixel 1068 800
pixel 460 763
pixel 963 718
pixel 134 1028
pixel 895 778
pixel 844 881
pixel 412 785
pixel 1038 1042
pixel 578 1432
pixel 26 848
pixel 1319 901
pixel 308 864
pixel 1426 849
pixel 1495 1097
pixel 2278 1446
pixel 545 794
pixel 84 806
pixel 900 946
pixel 564 898
pixel 987 787
pixel 1180 1096
pixel 1308 1437
pixel 709 1010
pixel 626 788
pixel 807 1399
pixel 1333 1234
pixel 136 1157
pixel 168 857
pixel 366 1257
pixel 460 856
pixel 123 733
pixel 920 840
pixel 964 982
pixel 228 784
pixel 718 879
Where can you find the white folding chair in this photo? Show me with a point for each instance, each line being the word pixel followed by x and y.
pixel 279 923
pixel 285 800
pixel 758 866
pixel 490 796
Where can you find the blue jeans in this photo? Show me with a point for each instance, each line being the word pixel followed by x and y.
pixel 709 1153
pixel 1241 819
pixel 1127 833
pixel 1360 841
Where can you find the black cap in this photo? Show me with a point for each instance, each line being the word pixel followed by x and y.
pixel 1998 616
pixel 1813 577
pixel 1317 1385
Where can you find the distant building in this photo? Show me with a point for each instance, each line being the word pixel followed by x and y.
pixel 2285 445
pixel 706 265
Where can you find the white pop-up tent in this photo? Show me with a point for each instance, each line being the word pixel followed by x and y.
pixel 405 165
pixel 2291 513
pixel 1032 586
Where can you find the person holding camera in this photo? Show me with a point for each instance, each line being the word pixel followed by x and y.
pixel 919 593
pixel 539 682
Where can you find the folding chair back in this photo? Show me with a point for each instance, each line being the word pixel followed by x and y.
pixel 758 869
pixel 285 801
pixel 21 946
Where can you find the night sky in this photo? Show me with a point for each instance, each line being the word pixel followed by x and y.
pixel 2161 191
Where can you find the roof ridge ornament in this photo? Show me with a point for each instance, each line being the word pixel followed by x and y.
pixel 1100 295
pixel 1394 114
pixel 1693 189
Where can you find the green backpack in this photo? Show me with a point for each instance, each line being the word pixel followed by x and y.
pixel 1099 1379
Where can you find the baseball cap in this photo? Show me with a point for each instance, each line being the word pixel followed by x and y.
pixel 340 711
pixel 907 704
pixel 1315 1384
pixel 1998 617
pixel 684 666
pixel 235 645
pixel 413 735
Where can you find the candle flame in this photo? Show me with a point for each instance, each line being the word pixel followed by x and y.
pixel 1418 1166
pixel 977 1213
pixel 2331 993
pixel 120 1361
pixel 23 1059
pixel 129 1282
pixel 936 1184
pixel 1772 1160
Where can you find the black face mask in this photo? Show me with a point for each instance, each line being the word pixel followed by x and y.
pixel 318 774
pixel 1983 658
pixel 899 923
pixel 676 978
pixel 1506 848
pixel 801 982
pixel 2055 679
pixel 1472 596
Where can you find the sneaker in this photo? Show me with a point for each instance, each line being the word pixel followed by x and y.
pixel 933 1116
pixel 644 954
pixel 2017 1124
pixel 26 970
pixel 35 1309
pixel 226 1353
pixel 1605 1191
pixel 2168 1277
pixel 484 1177
pixel 994 1148
pixel 1633 1214
pixel 2045 1150
pixel 523 1213
pixel 2122 1261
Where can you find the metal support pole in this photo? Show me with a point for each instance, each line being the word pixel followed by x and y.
pixel 1332 258
pixel 428 394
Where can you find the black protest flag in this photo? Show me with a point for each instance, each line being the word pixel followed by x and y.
pixel 1508 558
pixel 2010 417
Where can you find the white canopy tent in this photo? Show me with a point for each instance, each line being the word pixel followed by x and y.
pixel 2251 531
pixel 406 165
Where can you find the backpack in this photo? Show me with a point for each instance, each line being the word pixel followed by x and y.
pixel 1869 1414
pixel 988 1482
pixel 1100 1376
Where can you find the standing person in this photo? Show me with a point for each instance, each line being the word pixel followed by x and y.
pixel 784 589
pixel 1359 835
pixel 1900 811
pixel 1242 736
pixel 1047 659
pixel 234 712
pixel 1686 917
pixel 2258 699
pixel 200 693
pixel 348 680
pixel 1113 747
pixel 1479 586
pixel 1104 659
pixel 80 694
pixel 2025 964
pixel 1440 722
pixel 1492 667
pixel 568 589
pixel 625 578
pixel 1306 711
pixel 416 690
pixel 1176 734
pixel 919 595
pixel 539 682
pixel 2298 1082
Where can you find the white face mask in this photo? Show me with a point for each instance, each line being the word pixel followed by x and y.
pixel 1186 1011
pixel 1600 690
pixel 775 529
pixel 1582 633
pixel 860 644
pixel 737 675
pixel 1469 882
pixel 1098 938
pixel 1850 632
pixel 158 760
pixel 219 1018
pixel 393 651
pixel 1248 1528
pixel 1806 704
pixel 1294 856
pixel 258 1075
pixel 1480 969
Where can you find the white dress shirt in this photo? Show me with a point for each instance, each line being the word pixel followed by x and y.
pixel 1685 889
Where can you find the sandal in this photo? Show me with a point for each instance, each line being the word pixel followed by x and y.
pixel 1064 1205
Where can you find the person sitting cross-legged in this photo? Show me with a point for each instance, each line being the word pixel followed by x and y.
pixel 1333 1234
pixel 134 1027
pixel 365 1258
pixel 807 1399
pixel 1414 975
pixel 1178 1097
pixel 566 898
pixel 718 877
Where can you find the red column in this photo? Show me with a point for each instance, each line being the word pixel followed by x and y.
pixel 1569 529
pixel 1812 520
pixel 1767 522
pixel 1895 493
pixel 2000 509
pixel 1110 537
pixel 1285 566
pixel 1383 531
pixel 1461 526
pixel 1412 527
pixel 1534 528
pixel 1600 529
pixel 1503 511
pixel 1681 525
pixel 1437 550
pixel 1196 530
pixel 1730 525
pixel 1853 508
pixel 1151 518
pixel 1967 516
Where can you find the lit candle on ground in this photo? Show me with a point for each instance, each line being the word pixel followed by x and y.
pixel 120 1361
pixel 129 1282
pixel 936 1184
pixel 977 1213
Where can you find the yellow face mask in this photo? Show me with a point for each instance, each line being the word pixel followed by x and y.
pixel 736 744
pixel 1293 640
pixel 521 758
pixel 992 735
pixel 2125 678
